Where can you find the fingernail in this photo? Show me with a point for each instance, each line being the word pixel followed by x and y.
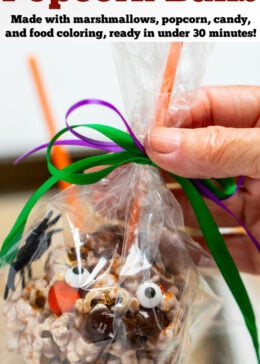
pixel 164 140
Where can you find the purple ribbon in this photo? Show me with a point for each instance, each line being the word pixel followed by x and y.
pixel 102 145
pixel 84 141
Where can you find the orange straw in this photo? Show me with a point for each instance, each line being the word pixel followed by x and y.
pixel 168 82
pixel 162 106
pixel 61 158
pixel 132 223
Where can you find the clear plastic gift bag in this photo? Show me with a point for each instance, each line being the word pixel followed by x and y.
pixel 111 280
pixel 106 273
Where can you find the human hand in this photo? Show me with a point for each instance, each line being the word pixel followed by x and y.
pixel 220 137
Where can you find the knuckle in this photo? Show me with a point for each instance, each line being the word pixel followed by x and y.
pixel 213 147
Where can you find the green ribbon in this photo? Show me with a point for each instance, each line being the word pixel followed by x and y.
pixel 76 174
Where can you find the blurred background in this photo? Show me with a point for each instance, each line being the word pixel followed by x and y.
pixel 72 71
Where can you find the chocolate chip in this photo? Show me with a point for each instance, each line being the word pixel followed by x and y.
pixel 129 314
pixel 83 292
pixel 98 325
pixel 150 322
pixel 40 301
pixel 84 252
pixel 137 341
pixel 138 327
pixel 105 240
pixel 72 254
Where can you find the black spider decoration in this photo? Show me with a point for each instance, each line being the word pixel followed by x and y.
pixel 36 244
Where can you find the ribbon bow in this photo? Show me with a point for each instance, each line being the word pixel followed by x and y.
pixel 124 148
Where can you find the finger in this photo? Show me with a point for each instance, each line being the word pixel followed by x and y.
pixel 235 106
pixel 212 152
pixel 239 245
pixel 222 218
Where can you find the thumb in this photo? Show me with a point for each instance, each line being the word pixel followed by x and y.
pixel 205 152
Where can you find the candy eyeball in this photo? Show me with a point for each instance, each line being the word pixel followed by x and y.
pixel 76 276
pixel 149 294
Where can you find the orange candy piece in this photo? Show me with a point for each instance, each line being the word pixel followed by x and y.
pixel 62 297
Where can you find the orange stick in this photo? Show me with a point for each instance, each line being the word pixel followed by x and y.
pixel 133 222
pixel 162 106
pixel 60 157
pixel 168 82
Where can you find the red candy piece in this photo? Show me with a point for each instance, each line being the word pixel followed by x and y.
pixel 62 297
